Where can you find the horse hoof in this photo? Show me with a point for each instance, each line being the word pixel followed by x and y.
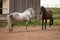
pixel 10 31
pixel 49 27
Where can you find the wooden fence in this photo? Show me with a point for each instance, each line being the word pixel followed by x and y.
pixel 22 5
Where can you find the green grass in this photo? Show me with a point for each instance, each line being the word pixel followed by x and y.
pixel 35 23
pixel 56 15
pixel 29 23
pixel 3 24
pixel 56 22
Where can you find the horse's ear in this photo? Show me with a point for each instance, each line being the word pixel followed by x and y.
pixel 32 11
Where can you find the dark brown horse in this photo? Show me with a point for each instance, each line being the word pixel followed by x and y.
pixel 46 14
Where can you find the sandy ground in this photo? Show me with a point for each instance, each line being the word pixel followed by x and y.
pixel 34 33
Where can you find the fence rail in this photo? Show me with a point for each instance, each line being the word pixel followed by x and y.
pixel 56 12
pixel 56 18
pixel 4 17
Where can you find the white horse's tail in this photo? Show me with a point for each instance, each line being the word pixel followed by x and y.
pixel 9 22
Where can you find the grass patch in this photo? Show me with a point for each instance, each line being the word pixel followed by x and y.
pixel 3 24
pixel 35 23
pixel 56 22
pixel 56 15
pixel 29 23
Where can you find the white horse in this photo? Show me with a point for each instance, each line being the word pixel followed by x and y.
pixel 26 16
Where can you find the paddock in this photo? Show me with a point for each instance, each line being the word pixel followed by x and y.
pixel 35 33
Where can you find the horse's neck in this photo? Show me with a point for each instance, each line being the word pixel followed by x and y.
pixel 27 12
pixel 44 12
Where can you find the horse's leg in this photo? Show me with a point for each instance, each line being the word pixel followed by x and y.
pixel 42 23
pixel 45 23
pixel 50 23
pixel 26 25
pixel 51 20
pixel 12 27
pixel 11 24
pixel 30 20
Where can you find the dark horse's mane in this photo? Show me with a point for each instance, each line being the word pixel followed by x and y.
pixel 44 11
pixel 42 8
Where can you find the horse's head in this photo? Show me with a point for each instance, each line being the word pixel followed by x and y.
pixel 31 13
pixel 42 10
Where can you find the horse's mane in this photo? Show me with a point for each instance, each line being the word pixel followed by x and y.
pixel 29 9
pixel 43 8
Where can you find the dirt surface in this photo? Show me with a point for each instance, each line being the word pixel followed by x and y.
pixel 34 33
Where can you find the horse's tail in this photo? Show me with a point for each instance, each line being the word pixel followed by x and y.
pixel 10 23
pixel 9 17
pixel 51 21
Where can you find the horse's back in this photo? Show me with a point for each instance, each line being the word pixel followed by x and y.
pixel 19 16
pixel 24 15
pixel 49 14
